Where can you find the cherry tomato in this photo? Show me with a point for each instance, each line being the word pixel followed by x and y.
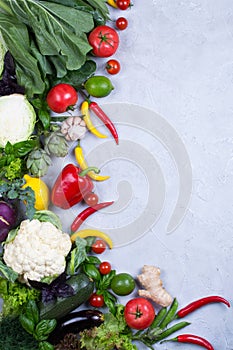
pixel 139 313
pixel 104 41
pixel 99 246
pixel 123 4
pixel 105 267
pixel 61 97
pixel 113 67
pixel 121 23
pixel 96 300
pixel 91 199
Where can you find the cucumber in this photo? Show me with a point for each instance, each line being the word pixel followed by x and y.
pixel 83 288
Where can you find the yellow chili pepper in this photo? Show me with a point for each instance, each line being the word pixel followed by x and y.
pixel 83 165
pixel 87 119
pixel 92 233
pixel 112 3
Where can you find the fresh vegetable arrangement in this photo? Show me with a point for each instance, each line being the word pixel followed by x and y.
pixel 48 52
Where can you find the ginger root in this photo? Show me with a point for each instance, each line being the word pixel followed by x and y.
pixel 154 290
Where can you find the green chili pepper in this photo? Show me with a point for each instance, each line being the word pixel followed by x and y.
pixel 171 330
pixel 158 318
pixel 170 314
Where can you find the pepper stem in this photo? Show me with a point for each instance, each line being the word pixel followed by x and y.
pixel 85 172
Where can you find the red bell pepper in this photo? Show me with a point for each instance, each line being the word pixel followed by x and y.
pixel 71 186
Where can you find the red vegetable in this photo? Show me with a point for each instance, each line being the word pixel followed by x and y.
pixel 199 303
pixel 121 23
pixel 123 4
pixel 105 267
pixel 113 67
pixel 139 313
pixel 91 199
pixel 96 300
pixel 71 186
pixel 192 339
pixel 105 119
pixel 86 213
pixel 104 41
pixel 99 246
pixel 61 97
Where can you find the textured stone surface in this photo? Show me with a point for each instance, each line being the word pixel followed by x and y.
pixel 177 58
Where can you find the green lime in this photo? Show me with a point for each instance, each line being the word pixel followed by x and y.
pixel 122 284
pixel 98 86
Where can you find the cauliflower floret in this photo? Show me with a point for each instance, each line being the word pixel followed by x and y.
pixel 38 250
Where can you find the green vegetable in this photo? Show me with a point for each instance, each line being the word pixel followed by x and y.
pixel 14 337
pixel 15 296
pixel 123 284
pixel 40 329
pixel 3 50
pixel 78 256
pixel 7 272
pixel 17 119
pixel 98 86
pixel 48 38
pixel 113 333
pixel 83 288
pixel 48 216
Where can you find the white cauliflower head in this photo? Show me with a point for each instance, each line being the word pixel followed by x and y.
pixel 38 250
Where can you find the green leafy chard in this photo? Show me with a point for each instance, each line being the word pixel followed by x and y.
pixel 48 39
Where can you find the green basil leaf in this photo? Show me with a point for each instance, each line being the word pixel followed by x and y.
pixel 24 147
pixel 27 324
pixel 44 117
pixel 44 328
pixel 44 345
pixel 91 271
pixel 32 312
pixel 93 260
pixel 8 148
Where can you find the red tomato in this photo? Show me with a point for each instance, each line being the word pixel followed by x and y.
pixel 91 199
pixel 96 300
pixel 105 267
pixel 139 313
pixel 104 41
pixel 99 246
pixel 113 67
pixel 121 23
pixel 123 4
pixel 61 97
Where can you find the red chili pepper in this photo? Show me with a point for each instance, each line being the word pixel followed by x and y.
pixel 199 303
pixel 105 119
pixel 192 339
pixel 71 186
pixel 87 212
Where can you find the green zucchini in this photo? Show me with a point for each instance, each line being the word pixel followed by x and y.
pixel 83 288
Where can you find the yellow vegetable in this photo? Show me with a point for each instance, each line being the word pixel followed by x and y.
pixel 92 233
pixel 112 3
pixel 41 191
pixel 87 119
pixel 83 165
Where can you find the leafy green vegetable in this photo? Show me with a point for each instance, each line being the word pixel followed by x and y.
pixel 77 256
pixel 7 272
pixel 14 337
pixel 15 296
pixel 39 328
pixel 48 38
pixel 112 334
pixel 48 216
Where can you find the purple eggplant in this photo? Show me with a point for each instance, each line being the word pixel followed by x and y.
pixel 8 217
